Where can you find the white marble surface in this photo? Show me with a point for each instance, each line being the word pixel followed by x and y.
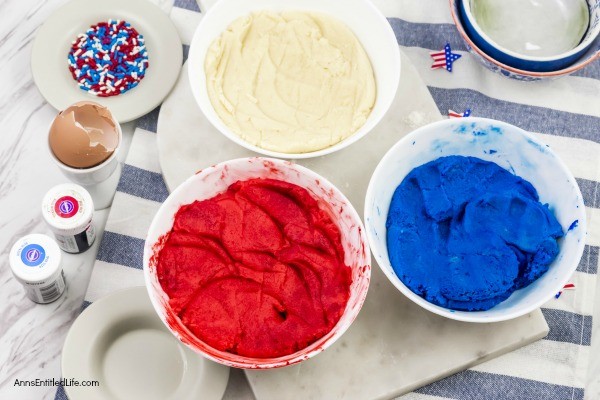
pixel 402 326
pixel 31 336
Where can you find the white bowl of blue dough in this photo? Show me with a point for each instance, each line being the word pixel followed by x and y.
pixel 567 31
pixel 514 150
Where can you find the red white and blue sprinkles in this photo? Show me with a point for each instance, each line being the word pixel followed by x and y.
pixel 109 59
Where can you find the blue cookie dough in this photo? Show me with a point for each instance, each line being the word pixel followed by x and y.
pixel 464 233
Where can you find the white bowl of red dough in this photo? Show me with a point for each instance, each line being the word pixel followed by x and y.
pixel 296 101
pixel 257 263
pixel 469 278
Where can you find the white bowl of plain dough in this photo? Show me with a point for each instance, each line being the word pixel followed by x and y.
pixel 366 22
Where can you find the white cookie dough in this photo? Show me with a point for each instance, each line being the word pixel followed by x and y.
pixel 293 82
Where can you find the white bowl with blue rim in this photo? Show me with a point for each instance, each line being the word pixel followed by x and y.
pixel 587 59
pixel 562 33
pixel 511 148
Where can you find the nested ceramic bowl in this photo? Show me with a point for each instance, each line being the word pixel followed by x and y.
pixel 527 62
pixel 515 150
pixel 489 60
pixel 361 16
pixel 216 179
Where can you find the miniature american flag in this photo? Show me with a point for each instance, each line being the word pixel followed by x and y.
pixel 454 114
pixel 444 58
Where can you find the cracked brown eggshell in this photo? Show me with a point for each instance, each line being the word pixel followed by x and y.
pixel 84 135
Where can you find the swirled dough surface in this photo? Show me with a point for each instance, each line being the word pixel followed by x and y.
pixel 464 233
pixel 257 270
pixel 293 82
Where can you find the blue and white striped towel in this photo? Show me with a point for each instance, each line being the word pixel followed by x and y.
pixel 566 115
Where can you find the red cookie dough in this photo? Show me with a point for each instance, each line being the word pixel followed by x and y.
pixel 256 271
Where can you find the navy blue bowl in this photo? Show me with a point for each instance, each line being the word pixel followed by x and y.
pixel 534 64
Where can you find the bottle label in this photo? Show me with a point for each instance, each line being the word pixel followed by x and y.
pixel 90 234
pixel 67 243
pixel 66 206
pixel 47 292
pixel 33 255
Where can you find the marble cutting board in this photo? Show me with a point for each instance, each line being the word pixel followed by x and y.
pixel 394 346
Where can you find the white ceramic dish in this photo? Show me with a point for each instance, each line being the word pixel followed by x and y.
pixel 528 62
pixel 120 342
pixel 216 179
pixel 53 41
pixel 516 150
pixel 590 56
pixel 362 17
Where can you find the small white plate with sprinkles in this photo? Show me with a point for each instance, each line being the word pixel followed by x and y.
pixel 125 55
